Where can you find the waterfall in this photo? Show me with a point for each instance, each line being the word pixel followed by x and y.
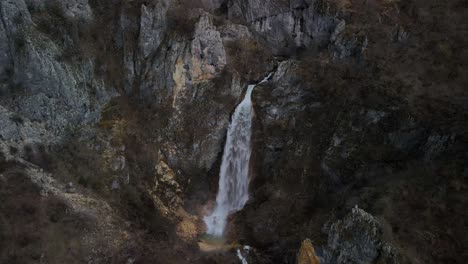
pixel 234 173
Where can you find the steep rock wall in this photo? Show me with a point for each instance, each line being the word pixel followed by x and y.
pixel 287 25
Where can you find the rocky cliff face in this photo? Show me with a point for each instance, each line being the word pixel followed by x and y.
pixel 287 25
pixel 113 117
pixel 335 136
pixel 358 239
pixel 118 110
pixel 38 86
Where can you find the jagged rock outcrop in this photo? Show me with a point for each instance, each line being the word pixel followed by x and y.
pixel 153 26
pixel 281 104
pixel 54 99
pixel 358 239
pixel 287 25
pixel 167 192
pixel 306 254
pixel 36 83
pixel 62 111
pixel 48 95
pixel 183 84
pixel 323 144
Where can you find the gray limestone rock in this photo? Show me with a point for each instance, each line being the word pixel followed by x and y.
pixel 153 26
pixel 357 239
pixel 42 87
pixel 287 25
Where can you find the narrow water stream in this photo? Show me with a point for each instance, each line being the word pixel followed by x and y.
pixel 234 174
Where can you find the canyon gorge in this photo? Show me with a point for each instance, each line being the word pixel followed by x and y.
pixel 234 131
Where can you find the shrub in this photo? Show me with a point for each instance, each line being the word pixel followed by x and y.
pixel 38 155
pixel 20 42
pixel 191 4
pixel 95 182
pixel 248 57
pixel 222 10
pixel 52 20
pixel 16 88
pixel 17 119
pixel 13 151
pixel 180 22
pixel 69 54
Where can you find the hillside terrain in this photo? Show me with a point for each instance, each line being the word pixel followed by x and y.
pixel 113 120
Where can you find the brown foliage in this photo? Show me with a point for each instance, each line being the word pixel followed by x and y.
pixel 180 21
pixel 249 58
pixel 34 228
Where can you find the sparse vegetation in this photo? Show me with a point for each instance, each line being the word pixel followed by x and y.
pixel 16 87
pixel 248 57
pixel 20 42
pixel 35 227
pixel 52 21
pixel 13 150
pixel 414 62
pixel 12 87
pixel 180 21
pixel 86 169
pixel 17 119
pixel 37 154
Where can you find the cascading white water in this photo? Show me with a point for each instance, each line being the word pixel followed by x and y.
pixel 234 174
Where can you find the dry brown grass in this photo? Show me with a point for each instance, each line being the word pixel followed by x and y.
pixel 34 228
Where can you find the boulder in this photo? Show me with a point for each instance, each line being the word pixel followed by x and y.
pixel 358 239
